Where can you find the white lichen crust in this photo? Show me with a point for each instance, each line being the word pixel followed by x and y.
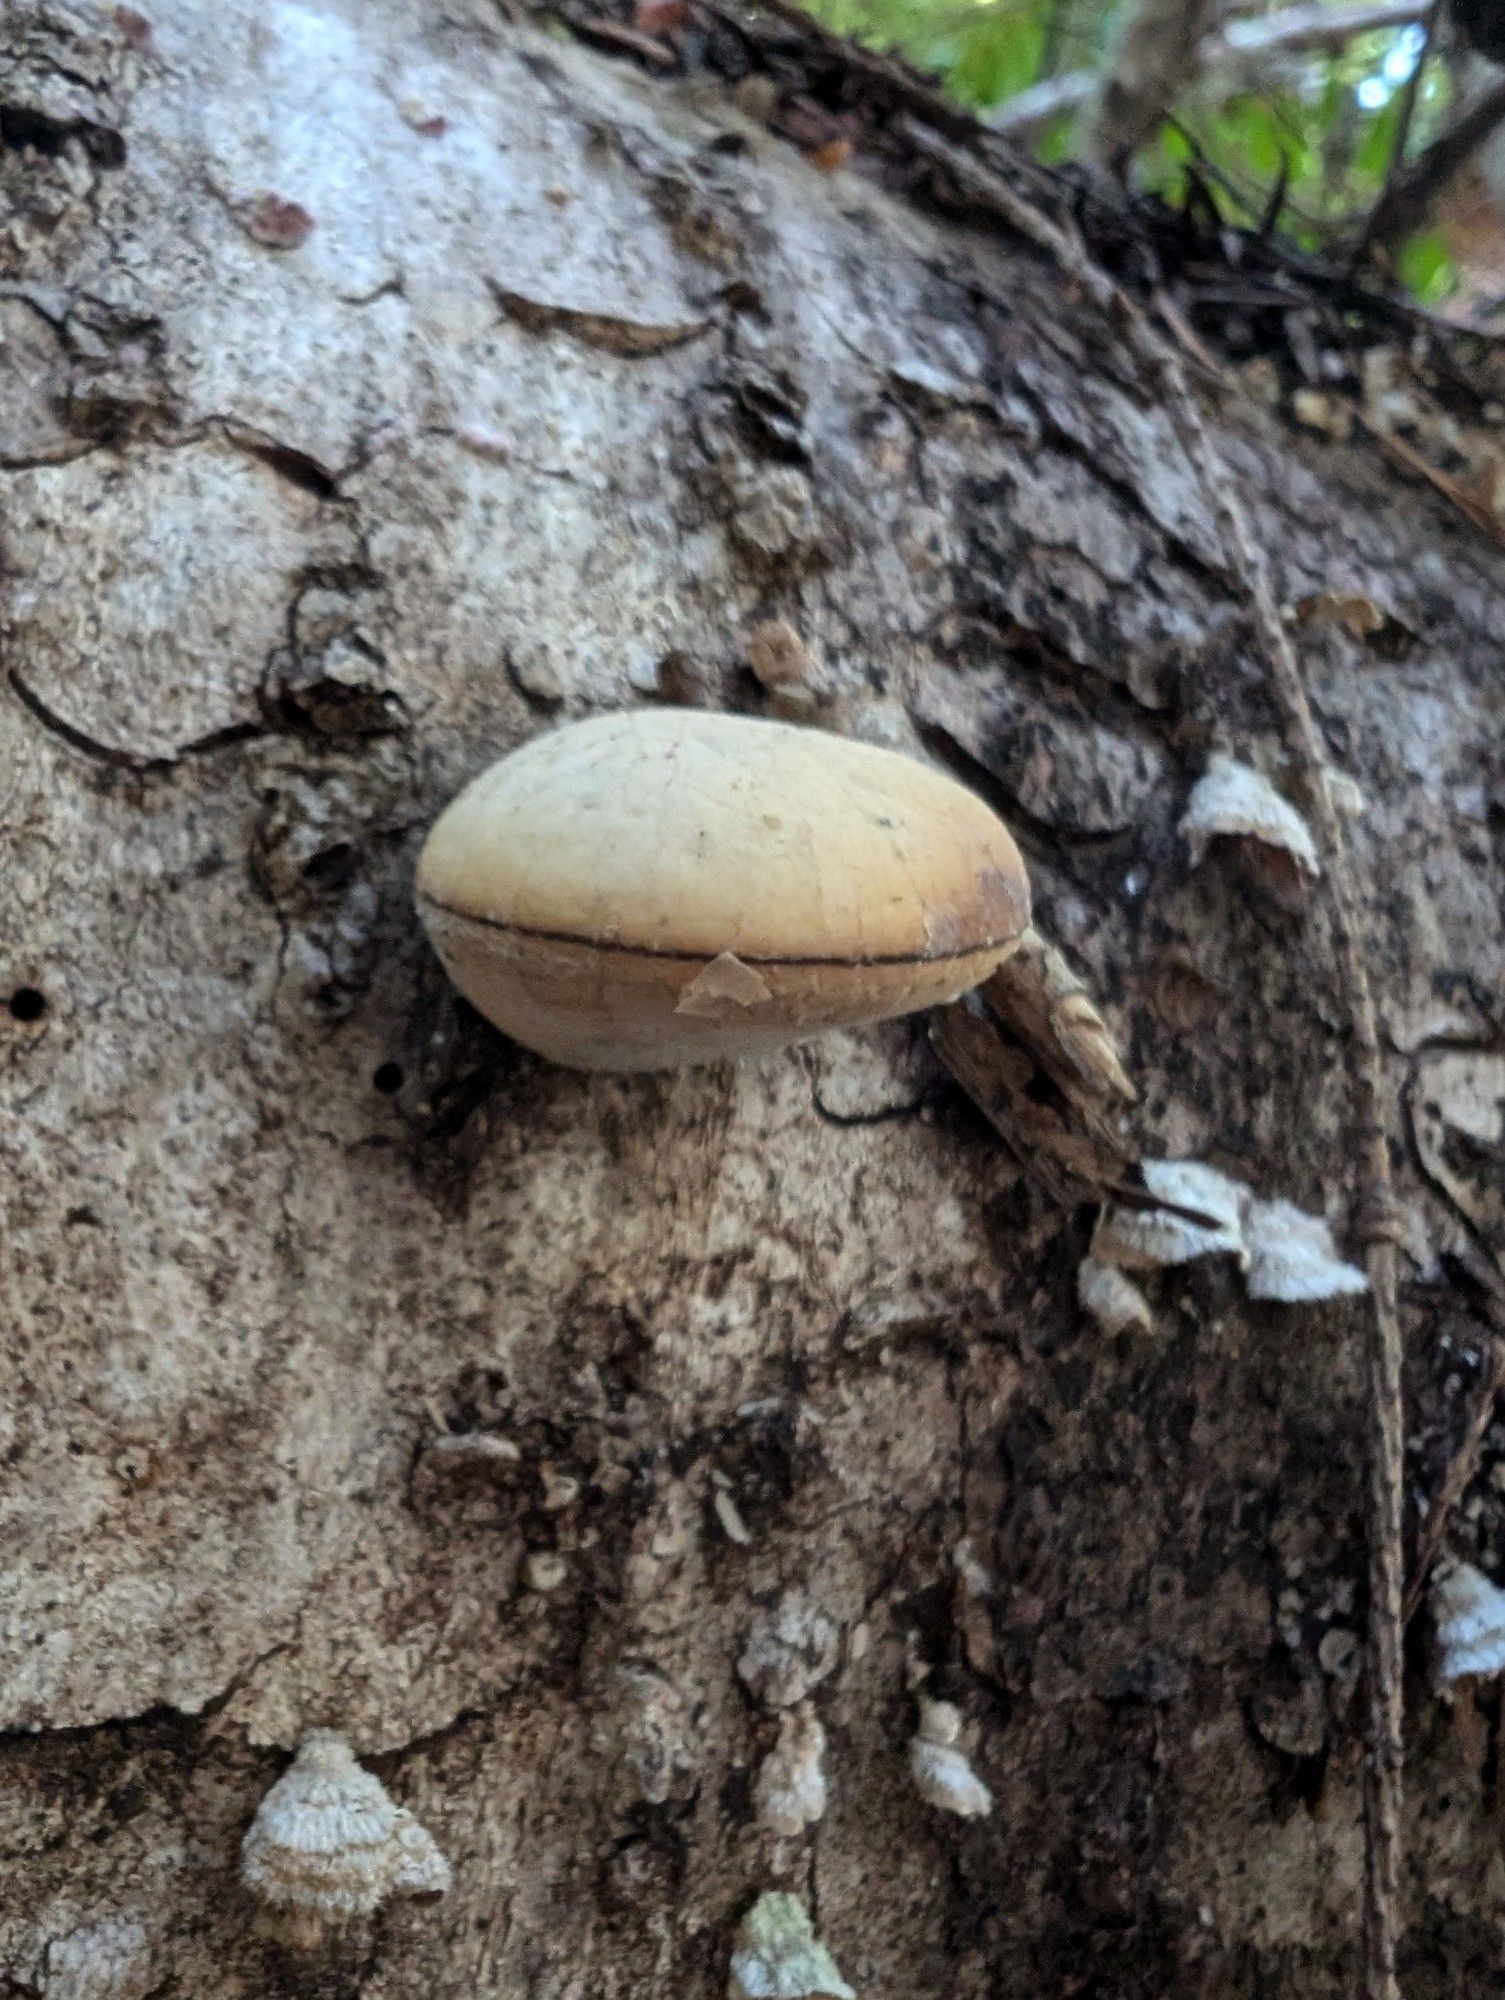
pixel 779 1957
pixel 1234 801
pixel 1292 1257
pixel 329 1845
pixel 791 1786
pixel 942 1773
pixel 790 1649
pixel 1469 1612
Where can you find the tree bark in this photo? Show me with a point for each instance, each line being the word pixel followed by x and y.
pixel 380 385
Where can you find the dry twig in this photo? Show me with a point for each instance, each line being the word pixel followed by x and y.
pixel 1461 1469
pixel 1154 57
pixel 1378 1217
pixel 1398 144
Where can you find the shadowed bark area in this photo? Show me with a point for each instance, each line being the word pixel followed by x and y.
pixel 381 384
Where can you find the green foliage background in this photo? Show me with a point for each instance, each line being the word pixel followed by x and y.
pixel 1313 133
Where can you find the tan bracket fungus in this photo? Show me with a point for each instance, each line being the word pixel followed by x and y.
pixel 658 888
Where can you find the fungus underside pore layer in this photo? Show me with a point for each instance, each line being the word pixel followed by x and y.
pixel 986 949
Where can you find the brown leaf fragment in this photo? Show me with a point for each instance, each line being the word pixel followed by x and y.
pixel 616 35
pixel 835 154
pixel 659 17
pixel 821 135
pixel 279 224
pixel 1351 609
pixel 611 332
pixel 135 29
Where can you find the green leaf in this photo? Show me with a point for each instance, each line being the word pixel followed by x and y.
pixel 1372 158
pixel 1425 267
pixel 1000 55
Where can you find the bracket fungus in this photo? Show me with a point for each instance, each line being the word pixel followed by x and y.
pixel 1287 1256
pixel 328 1845
pixel 1146 1239
pixel 1233 801
pixel 647 890
pixel 1293 1259
pixel 1469 1613
pixel 942 1772
pixel 1115 1302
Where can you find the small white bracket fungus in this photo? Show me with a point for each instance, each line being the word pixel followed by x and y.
pixel 942 1774
pixel 791 1787
pixel 1469 1612
pixel 328 1845
pixel 779 1957
pixel 544 1571
pixel 1115 1302
pixel 1346 794
pixel 1287 1256
pixel 1234 801
pixel 1292 1257
pixel 1146 1239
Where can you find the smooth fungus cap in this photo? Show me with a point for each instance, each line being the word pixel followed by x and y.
pixel 650 889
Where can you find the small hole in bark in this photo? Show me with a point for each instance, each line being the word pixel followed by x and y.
pixel 387 1078
pixel 27 1004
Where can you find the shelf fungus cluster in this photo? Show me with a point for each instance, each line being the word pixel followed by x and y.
pixel 328 1846
pixel 1469 1614
pixel 653 889
pixel 1287 1256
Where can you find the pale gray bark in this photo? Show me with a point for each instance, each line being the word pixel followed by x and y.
pixel 381 383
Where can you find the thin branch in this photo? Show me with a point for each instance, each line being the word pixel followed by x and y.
pixel 1312 27
pixel 1154 55
pixel 1404 205
pixel 1378 1217
pixel 1460 1470
pixel 1397 167
pixel 1241 45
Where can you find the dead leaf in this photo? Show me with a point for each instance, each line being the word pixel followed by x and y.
pixel 135 29
pixel 659 17
pixel 1045 1005
pixel 279 224
pixel 828 158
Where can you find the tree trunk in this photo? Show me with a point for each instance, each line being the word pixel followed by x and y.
pixel 383 383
